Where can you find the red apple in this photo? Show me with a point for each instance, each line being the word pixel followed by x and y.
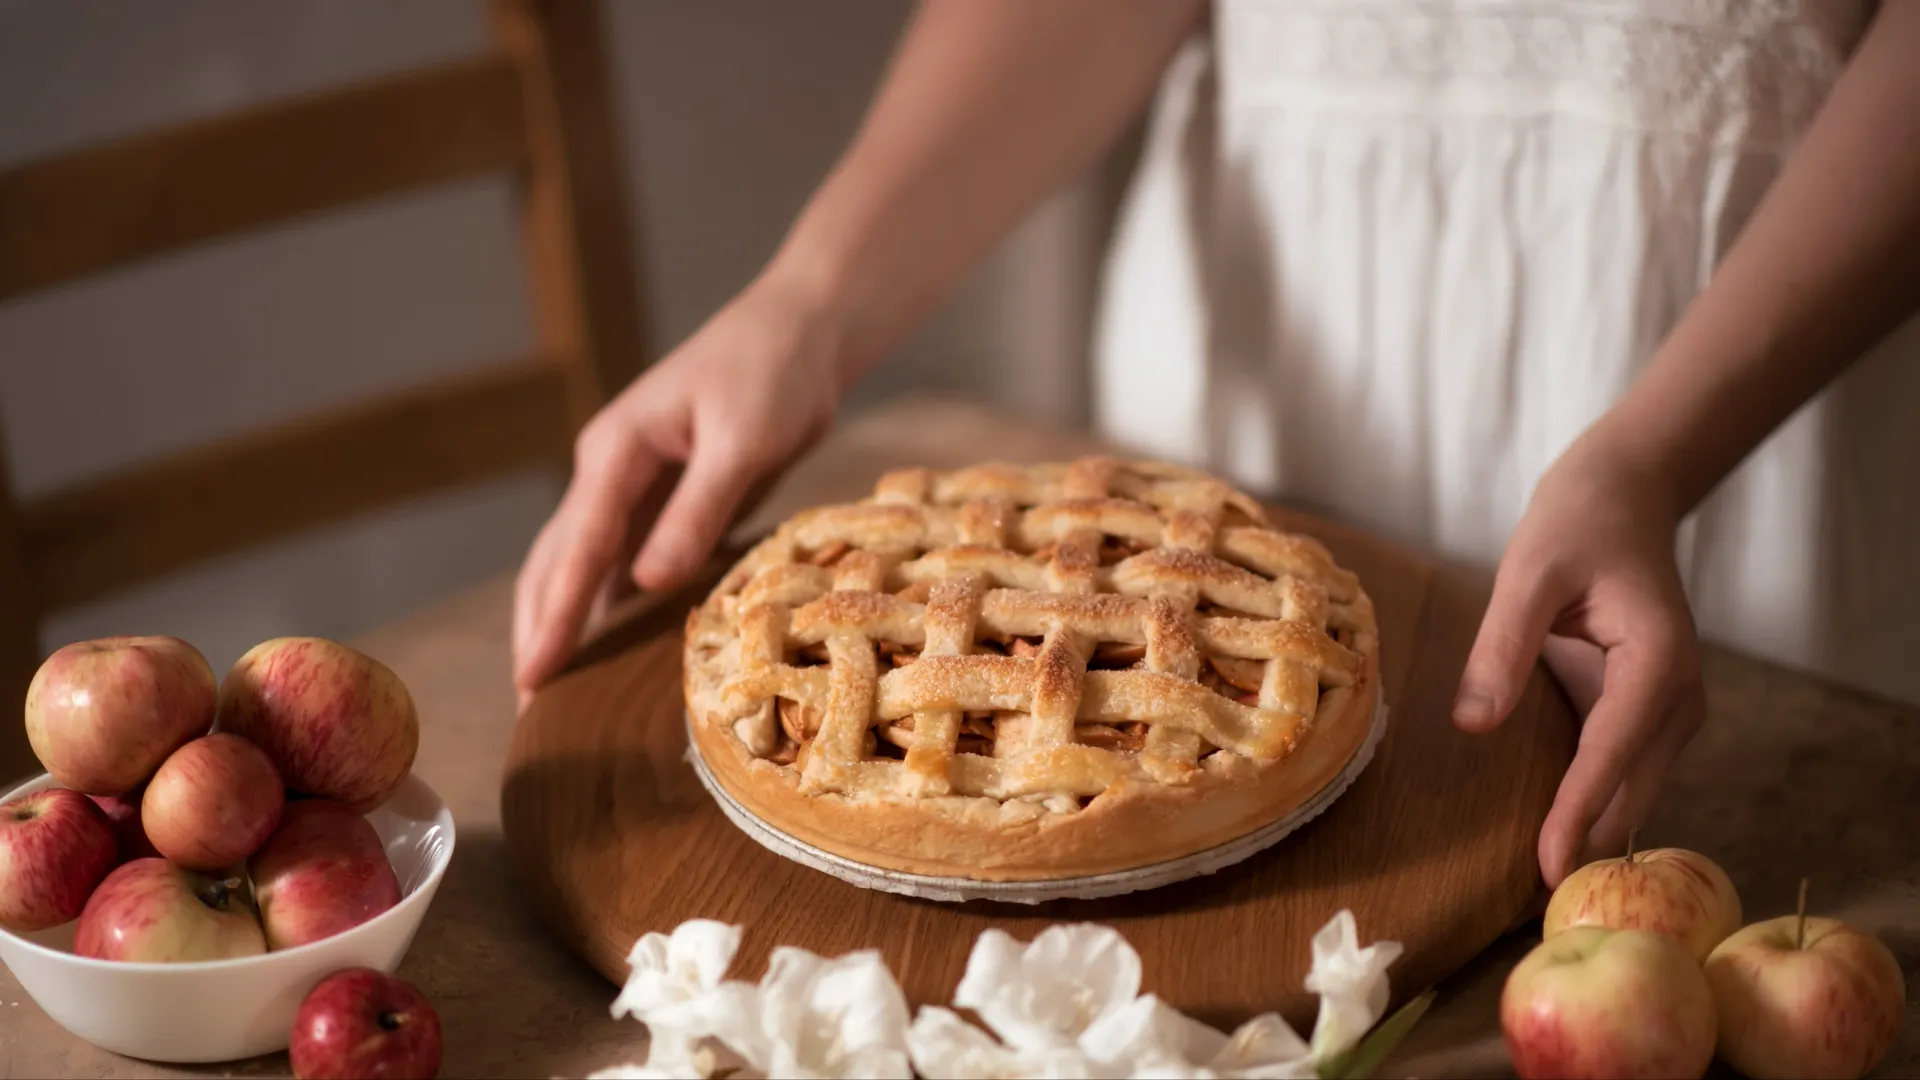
pixel 1592 1002
pixel 150 911
pixel 55 846
pixel 1824 1003
pixel 102 715
pixel 213 803
pixel 321 872
pixel 1667 890
pixel 363 1023
pixel 123 813
pixel 336 722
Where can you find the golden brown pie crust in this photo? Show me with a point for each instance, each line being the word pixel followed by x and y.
pixel 1236 671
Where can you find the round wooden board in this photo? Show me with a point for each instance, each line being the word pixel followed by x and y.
pixel 612 835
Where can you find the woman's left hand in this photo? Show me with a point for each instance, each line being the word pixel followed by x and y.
pixel 1589 583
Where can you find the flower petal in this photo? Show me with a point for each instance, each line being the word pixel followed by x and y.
pixel 1044 995
pixel 842 1017
pixel 942 1044
pixel 702 949
pixel 1147 1031
pixel 1095 957
pixel 728 1012
pixel 946 1046
pixel 669 969
pixel 1264 1047
pixel 993 964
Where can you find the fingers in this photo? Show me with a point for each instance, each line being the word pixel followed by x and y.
pixel 1578 666
pixel 1642 688
pixel 527 585
pixel 1524 604
pixel 1646 777
pixel 573 557
pixel 691 524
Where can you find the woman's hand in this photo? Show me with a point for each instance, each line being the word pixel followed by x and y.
pixel 1589 583
pixel 1822 271
pixel 986 109
pixel 733 403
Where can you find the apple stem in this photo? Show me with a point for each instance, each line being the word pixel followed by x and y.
pixel 1633 836
pixel 1800 930
pixel 389 1021
pixel 217 892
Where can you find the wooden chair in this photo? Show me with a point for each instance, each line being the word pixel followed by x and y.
pixel 536 106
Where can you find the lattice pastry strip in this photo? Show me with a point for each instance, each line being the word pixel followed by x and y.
pixel 952 612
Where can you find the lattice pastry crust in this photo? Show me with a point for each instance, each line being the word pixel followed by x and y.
pixel 1031 672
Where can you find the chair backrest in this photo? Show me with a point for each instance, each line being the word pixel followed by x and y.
pixel 537 106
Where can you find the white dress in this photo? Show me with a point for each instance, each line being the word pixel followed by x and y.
pixel 1389 257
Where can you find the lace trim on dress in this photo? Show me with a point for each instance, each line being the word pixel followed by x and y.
pixel 1739 72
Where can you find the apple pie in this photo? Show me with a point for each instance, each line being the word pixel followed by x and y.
pixel 1031 672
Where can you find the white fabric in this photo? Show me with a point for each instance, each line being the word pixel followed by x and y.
pixel 1389 257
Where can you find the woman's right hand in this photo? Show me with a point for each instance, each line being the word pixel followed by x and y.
pixel 737 400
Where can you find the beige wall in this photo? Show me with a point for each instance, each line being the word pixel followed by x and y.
pixel 730 113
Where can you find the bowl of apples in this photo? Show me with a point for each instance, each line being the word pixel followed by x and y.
pixel 201 855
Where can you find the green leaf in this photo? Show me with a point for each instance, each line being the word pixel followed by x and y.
pixel 1359 1062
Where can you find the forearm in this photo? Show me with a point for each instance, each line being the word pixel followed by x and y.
pixel 1829 264
pixel 989 106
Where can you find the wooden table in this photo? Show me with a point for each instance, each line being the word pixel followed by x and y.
pixel 1791 776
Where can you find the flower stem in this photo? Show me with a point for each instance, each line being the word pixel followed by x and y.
pixel 1359 1062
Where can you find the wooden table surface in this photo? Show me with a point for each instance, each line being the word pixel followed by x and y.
pixel 1791 776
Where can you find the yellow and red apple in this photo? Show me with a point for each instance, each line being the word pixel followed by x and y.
pixel 151 911
pixel 1670 891
pixel 336 722
pixel 361 1022
pixel 55 846
pixel 213 803
pixel 1593 1002
pixel 321 872
pixel 1823 1000
pixel 102 715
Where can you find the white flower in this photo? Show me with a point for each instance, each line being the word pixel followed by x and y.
pixel 1065 1006
pixel 827 1018
pixel 671 970
pixel 1068 1005
pixel 1046 994
pixel 807 1018
pixel 675 989
pixel 1351 982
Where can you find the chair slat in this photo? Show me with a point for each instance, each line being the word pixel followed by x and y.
pixel 134 525
pixel 68 216
pixel 584 282
pixel 19 636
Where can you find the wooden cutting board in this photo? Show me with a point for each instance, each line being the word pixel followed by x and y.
pixel 612 835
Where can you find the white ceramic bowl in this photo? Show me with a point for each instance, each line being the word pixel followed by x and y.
pixel 221 1010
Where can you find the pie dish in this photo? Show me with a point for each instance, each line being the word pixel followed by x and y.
pixel 1031 672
